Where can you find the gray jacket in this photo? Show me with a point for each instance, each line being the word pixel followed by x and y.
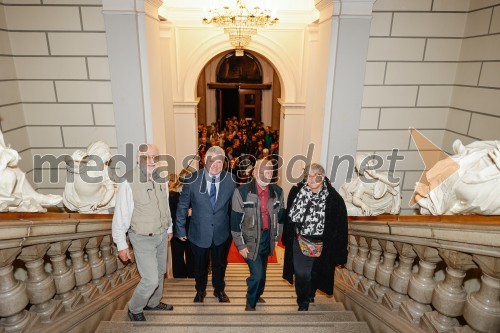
pixel 246 217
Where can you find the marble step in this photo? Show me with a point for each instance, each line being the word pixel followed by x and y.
pixel 172 292
pixel 229 288
pixel 261 307
pixel 239 282
pixel 277 327
pixel 183 317
pixel 240 298
pixel 242 277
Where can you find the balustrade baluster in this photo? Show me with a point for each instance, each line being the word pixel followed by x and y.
pixel 13 296
pixel 384 271
pixel 482 310
pixel 64 276
pixel 449 295
pixel 358 263
pixel 421 285
pixel 39 284
pixel 110 261
pixel 400 277
pixel 353 251
pixel 370 266
pixel 83 272
pixel 97 265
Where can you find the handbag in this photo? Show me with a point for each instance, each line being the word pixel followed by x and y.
pixel 310 248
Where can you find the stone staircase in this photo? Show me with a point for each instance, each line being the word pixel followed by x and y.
pixel 278 315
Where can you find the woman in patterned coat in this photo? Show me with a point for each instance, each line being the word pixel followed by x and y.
pixel 317 214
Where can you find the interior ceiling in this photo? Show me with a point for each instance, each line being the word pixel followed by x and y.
pixel 193 11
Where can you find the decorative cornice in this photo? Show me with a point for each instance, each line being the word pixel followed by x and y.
pixel 330 8
pixel 149 7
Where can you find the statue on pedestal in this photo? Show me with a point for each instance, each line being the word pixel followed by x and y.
pixel 16 193
pixel 473 189
pixel 89 189
pixel 370 192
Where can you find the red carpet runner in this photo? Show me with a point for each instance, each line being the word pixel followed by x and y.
pixel 235 257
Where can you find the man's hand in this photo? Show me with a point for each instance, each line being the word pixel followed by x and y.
pixel 183 239
pixel 244 252
pixel 170 235
pixel 124 255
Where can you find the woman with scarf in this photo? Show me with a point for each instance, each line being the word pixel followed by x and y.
pixel 315 236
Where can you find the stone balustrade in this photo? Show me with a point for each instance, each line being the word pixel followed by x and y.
pixel 59 272
pixel 423 273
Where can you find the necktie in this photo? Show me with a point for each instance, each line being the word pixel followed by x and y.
pixel 213 192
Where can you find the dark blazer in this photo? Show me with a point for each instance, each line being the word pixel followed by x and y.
pixel 334 239
pixel 207 225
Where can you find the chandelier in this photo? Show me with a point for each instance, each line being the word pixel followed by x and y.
pixel 239 21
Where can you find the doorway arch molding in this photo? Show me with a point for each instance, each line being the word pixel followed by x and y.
pixel 273 52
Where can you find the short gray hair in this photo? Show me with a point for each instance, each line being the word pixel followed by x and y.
pixel 214 151
pixel 314 168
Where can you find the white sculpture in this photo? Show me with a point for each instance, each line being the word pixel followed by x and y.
pixel 16 193
pixel 370 192
pixel 83 193
pixel 473 189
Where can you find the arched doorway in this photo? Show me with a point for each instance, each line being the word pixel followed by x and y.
pixel 245 87
pixel 238 107
pixel 239 83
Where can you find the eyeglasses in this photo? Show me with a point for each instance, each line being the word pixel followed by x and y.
pixel 318 178
pixel 154 158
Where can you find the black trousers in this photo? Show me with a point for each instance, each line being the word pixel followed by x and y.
pixel 218 255
pixel 305 275
pixel 182 258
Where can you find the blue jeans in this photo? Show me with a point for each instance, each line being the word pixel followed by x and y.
pixel 257 279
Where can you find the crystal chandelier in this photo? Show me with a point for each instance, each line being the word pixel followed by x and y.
pixel 239 21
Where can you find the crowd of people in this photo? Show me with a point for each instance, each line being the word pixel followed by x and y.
pixel 204 211
pixel 242 140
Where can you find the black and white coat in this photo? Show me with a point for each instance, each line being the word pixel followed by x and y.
pixel 334 239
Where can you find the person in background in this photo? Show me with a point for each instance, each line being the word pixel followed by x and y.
pixel 316 235
pixel 182 255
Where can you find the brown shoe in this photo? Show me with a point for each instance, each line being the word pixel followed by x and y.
pixel 249 308
pixel 261 300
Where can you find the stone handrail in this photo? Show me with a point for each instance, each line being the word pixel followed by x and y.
pixel 423 273
pixel 59 272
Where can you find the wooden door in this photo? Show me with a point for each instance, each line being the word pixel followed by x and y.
pixel 250 103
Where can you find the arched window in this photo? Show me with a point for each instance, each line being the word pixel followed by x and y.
pixel 244 69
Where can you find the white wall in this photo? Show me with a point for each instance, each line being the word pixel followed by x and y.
pixel 58 89
pixel 432 65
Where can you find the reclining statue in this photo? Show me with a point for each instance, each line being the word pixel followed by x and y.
pixel 16 193
pixel 371 192
pixel 473 189
pixel 89 189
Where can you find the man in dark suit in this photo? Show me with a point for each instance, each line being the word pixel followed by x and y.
pixel 208 192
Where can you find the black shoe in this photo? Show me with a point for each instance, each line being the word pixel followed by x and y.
pixel 200 295
pixel 221 296
pixel 249 308
pixel 303 308
pixel 160 307
pixel 261 300
pixel 136 316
